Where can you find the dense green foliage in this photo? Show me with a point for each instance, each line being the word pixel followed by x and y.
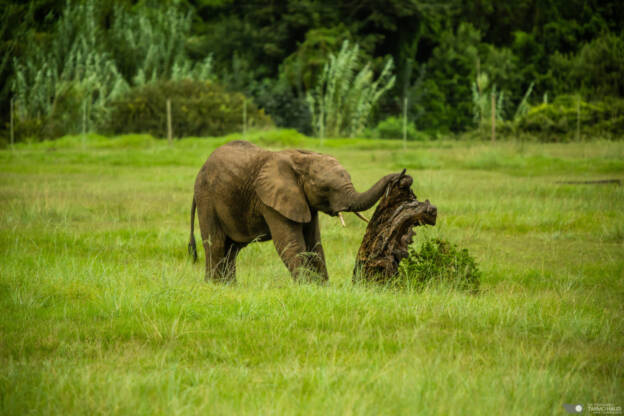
pixel 567 118
pixel 345 94
pixel 561 118
pixel 392 128
pixel 66 81
pixel 103 313
pixel 61 79
pixel 197 109
pixel 437 261
pixel 60 60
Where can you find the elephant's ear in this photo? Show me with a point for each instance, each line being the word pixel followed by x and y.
pixel 277 187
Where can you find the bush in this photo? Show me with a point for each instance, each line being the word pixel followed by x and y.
pixel 557 121
pixel 278 137
pixel 392 128
pixel 66 115
pixel 197 109
pixel 65 80
pixel 439 261
pixel 284 107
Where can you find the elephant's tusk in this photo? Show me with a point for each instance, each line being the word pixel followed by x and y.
pixel 362 217
pixel 341 219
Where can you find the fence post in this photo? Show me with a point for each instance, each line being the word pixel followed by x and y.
pixel 493 117
pixel 244 116
pixel 169 129
pixel 12 122
pixel 322 122
pixel 405 122
pixel 578 118
pixel 84 122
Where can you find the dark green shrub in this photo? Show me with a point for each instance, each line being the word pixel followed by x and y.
pixel 443 99
pixel 198 108
pixel 392 128
pixel 283 106
pixel 278 137
pixel 595 71
pixel 438 261
pixel 66 115
pixel 557 121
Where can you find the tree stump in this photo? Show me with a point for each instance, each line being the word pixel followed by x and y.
pixel 390 232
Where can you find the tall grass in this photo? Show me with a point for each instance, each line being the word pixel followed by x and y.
pixel 346 93
pixel 71 68
pixel 68 79
pixel 150 47
pixel 103 313
pixel 482 93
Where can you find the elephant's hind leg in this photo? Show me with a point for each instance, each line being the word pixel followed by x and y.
pixel 226 269
pixel 214 242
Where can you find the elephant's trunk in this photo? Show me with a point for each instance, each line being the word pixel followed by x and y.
pixel 362 201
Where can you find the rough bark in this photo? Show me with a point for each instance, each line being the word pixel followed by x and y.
pixel 390 232
pixel 597 182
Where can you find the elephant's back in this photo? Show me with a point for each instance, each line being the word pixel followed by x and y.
pixel 235 159
pixel 230 169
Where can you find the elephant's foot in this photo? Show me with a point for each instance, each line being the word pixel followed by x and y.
pixel 223 273
pixel 306 275
pixel 308 267
pixel 220 279
pixel 221 256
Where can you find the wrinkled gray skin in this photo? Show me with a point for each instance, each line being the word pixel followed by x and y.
pixel 244 193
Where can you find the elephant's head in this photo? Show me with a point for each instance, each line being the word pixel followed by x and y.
pixel 295 181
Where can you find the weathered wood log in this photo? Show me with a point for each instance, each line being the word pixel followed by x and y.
pixel 390 231
pixel 596 182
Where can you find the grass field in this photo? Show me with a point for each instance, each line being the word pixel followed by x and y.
pixel 103 313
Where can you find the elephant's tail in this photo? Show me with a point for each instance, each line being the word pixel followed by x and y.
pixel 192 248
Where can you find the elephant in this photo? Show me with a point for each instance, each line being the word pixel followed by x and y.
pixel 244 193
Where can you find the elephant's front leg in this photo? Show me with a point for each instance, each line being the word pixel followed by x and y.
pixel 288 239
pixel 312 237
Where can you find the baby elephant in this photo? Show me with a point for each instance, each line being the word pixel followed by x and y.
pixel 244 193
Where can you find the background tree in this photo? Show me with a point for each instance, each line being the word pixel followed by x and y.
pixel 274 52
pixel 346 92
